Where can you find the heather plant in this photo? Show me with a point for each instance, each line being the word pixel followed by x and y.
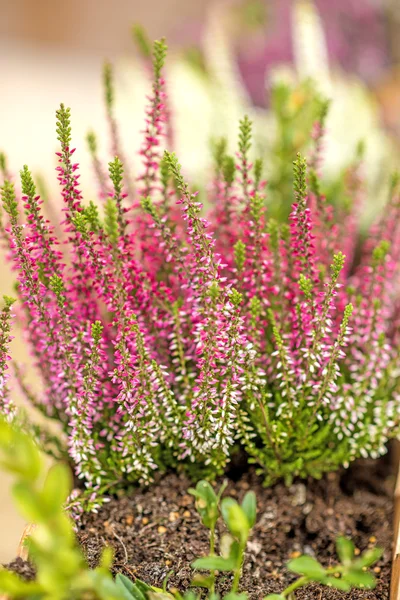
pixel 166 335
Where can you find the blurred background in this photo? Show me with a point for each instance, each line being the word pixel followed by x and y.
pixel 225 58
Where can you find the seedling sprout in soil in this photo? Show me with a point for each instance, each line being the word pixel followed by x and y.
pixel 61 570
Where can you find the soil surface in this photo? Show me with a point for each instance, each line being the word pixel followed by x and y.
pixel 157 532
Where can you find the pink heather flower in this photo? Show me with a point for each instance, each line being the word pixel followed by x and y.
pixel 6 405
pixel 165 331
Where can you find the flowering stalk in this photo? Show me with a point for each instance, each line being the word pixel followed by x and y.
pixel 168 333
pixel 6 404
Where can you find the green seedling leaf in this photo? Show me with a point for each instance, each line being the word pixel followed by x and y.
pixel 368 558
pixel 19 455
pixel 206 503
pixel 130 589
pixel 235 596
pixel 15 587
pixel 137 590
pixel 221 490
pixel 29 502
pixel 204 581
pixel 144 587
pixel 345 550
pixel 235 518
pixel 159 596
pixel 249 506
pixel 214 563
pixel 339 584
pixel 56 488
pixel 308 566
pixel 274 597
pixel 360 579
pixel 106 559
pixel 225 545
pixel 105 587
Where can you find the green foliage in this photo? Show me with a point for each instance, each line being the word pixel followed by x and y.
pixel 91 215
pixel 219 152
pixel 300 173
pixel 349 573
pixel 3 164
pixel 40 497
pixel 239 520
pixel 92 142
pixel 63 128
pixel 116 170
pixel 27 183
pixel 9 199
pixel 61 570
pixel 256 207
pixel 229 170
pixel 159 54
pixel 258 171
pixel 149 207
pixel 240 254
pixel 207 503
pixel 295 110
pixel 111 220
pixel 142 40
pixel 245 127
pixel 108 83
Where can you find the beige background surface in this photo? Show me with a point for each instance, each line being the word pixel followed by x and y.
pixel 52 52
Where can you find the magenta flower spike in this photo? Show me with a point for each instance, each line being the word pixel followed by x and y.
pixel 168 334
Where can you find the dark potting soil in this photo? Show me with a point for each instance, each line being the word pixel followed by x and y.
pixel 156 532
pixel 23 567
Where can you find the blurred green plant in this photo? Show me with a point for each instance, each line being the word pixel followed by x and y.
pixel 62 573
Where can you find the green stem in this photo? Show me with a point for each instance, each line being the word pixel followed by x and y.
pixel 212 552
pixel 212 540
pixel 238 569
pixel 297 584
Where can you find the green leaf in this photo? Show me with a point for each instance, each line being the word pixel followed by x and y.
pixel 160 596
pixel 225 545
pixel 12 585
pixel 235 518
pixel 128 588
pixel 306 565
pixel 103 585
pixel 106 559
pixel 360 579
pixel 339 584
pixel 19 455
pixel 274 597
pixel 345 550
pixel 56 488
pixel 368 558
pixel 213 563
pixel 29 502
pixel 249 506
pixel 205 491
pixel 235 596
pixel 144 587
pixel 206 503
pixel 204 581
